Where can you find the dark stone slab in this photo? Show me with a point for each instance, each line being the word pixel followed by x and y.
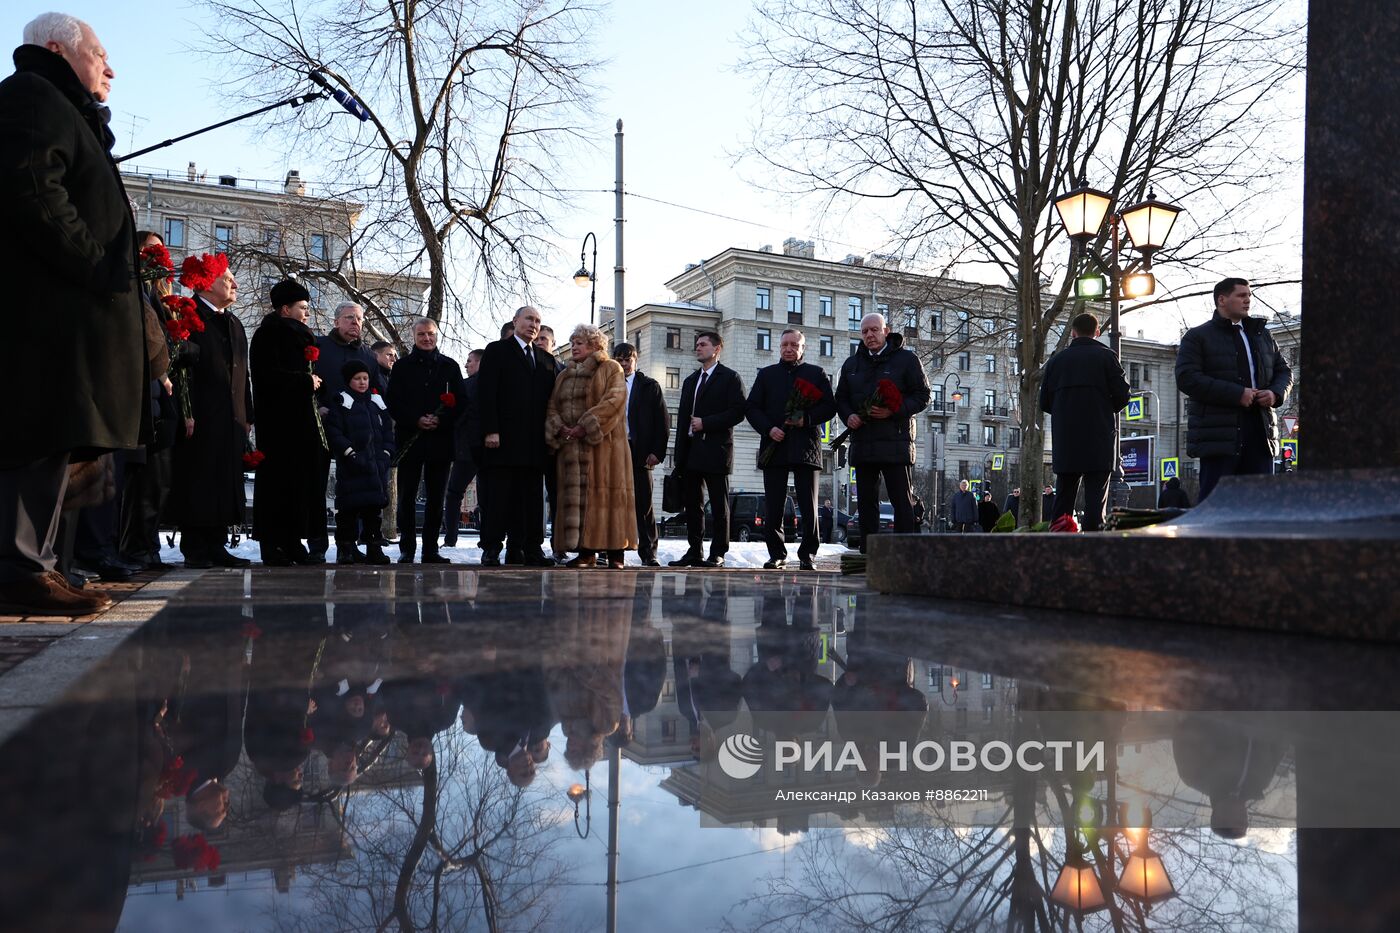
pixel 1316 554
pixel 1350 413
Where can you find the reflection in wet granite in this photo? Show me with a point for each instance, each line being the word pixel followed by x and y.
pixel 391 750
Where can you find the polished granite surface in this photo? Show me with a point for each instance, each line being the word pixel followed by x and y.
pixel 396 749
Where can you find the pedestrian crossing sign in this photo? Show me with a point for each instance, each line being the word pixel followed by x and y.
pixel 998 461
pixel 1135 408
pixel 826 433
pixel 1170 466
pixel 851 474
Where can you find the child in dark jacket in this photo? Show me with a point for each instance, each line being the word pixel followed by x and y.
pixel 361 438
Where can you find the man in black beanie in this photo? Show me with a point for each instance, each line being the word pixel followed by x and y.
pixel 288 492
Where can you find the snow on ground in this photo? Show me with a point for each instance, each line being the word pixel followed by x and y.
pixel 741 554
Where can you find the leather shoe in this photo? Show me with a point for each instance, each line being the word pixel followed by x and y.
pixel 198 563
pixel 514 557
pixel 348 555
pixel 777 563
pixel 433 557
pixel 713 561
pixel 408 558
pixel 106 570
pixel 688 560
pixel 581 561
pixel 538 560
pixel 224 559
pixel 490 560
pixel 807 564
pixel 49 594
pixel 617 564
pixel 653 562
pixel 312 558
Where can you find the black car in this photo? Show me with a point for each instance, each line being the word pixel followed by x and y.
pixel 848 526
pixel 746 519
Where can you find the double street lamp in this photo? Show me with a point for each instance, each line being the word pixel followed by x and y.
pixel 1083 212
pixel 584 277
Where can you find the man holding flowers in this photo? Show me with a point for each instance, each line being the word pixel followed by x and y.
pixel 787 406
pixel 882 387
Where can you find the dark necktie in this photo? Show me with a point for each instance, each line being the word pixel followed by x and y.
pixel 704 375
pixel 529 356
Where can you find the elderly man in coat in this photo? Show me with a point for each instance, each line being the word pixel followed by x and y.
pixel 74 323
pixel 787 406
pixel 1083 391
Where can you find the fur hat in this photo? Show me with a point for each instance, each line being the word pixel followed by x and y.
pixel 351 368
pixel 289 292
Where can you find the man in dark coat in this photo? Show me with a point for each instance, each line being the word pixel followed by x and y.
pixel 342 345
pixel 1013 503
pixel 206 491
pixel 712 403
pixel 1173 496
pixel 962 508
pixel 648 436
pixel 74 327
pixel 516 381
pixel 1083 390
pixel 1233 376
pixel 790 442
pixel 987 512
pixel 882 445
pixel 289 495
pixel 423 425
pixel 387 354
pixel 466 447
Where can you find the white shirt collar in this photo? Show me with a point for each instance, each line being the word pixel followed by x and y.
pixel 710 369
pixel 522 344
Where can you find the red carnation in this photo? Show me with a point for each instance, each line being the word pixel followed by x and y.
pixel 307 736
pixel 155 264
pixel 251 630
pixel 252 458
pixel 810 393
pixel 312 353
pixel 175 779
pixel 194 851
pixel 448 399
pixel 197 273
pixel 890 396
pixel 178 330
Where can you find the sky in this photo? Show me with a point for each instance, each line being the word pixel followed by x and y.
pixel 670 76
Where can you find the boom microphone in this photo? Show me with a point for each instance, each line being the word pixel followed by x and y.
pixel 350 104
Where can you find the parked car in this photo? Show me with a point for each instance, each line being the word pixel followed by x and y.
pixel 746 519
pixel 852 526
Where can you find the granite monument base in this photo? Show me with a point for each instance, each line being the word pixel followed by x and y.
pixel 1315 553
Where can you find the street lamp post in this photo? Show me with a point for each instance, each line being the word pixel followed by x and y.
pixel 957 396
pixel 1082 213
pixel 588 276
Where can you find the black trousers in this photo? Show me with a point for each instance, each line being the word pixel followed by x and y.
pixel 433 475
pixel 897 485
pixel 1253 459
pixel 551 481
pixel 646 512
pixel 515 506
pixel 775 499
pixel 463 472
pixel 361 524
pixel 147 486
pixel 1095 497
pixel 317 537
pixel 717 485
pixel 202 542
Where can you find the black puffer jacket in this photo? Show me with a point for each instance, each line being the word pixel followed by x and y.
pixel 891 440
pixel 1208 372
pixel 416 386
pixel 767 409
pixel 359 421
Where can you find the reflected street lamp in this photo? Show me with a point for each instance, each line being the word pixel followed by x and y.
pixel 584 277
pixel 1078 888
pixel 577 793
pixel 1083 211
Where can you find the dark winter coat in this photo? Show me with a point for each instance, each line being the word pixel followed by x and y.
pixel 1209 371
pixel 1083 390
pixel 415 389
pixel 1173 496
pixel 74 322
pixel 801 447
pixel 468 439
pixel 648 421
pixel 287 489
pixel 720 407
pixel 987 514
pixel 1012 505
pixel 891 440
pixel 334 355
pixel 511 400
pixel 962 508
pixel 361 436
pixel 206 488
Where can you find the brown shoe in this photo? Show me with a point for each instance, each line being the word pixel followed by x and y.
pixel 78 590
pixel 49 594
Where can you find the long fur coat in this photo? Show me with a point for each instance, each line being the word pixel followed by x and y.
pixel 597 507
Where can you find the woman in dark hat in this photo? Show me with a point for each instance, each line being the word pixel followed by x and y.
pixel 361 437
pixel 287 490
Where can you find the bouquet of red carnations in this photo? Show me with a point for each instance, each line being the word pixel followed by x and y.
pixel 313 353
pixel 446 402
pixel 802 397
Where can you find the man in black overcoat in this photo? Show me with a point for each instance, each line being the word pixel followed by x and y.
pixel 790 443
pixel 289 493
pixel 423 426
pixel 206 490
pixel 74 321
pixel 648 436
pixel 1083 390
pixel 466 446
pixel 516 380
pixel 712 403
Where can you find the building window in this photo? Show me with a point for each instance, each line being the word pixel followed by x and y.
pixel 883 310
pixel 668 730
pixel 855 346
pixel 174 233
pixel 828 346
pixel 965 362
pixel 764 339
pixel 1013 439
pixel 1146 374
pixel 794 306
pixel 397 308
pixel 935 359
pixel 990 360
pixel 314 290
pixel 987 682
pixel 853 313
pixel 935 320
pixel 936 397
pixel 935 676
pixel 673 338
pixel 761 299
pixel 272 240
pixel 911 322
pixel 1133 374
pixel 318 248
pixel 1015 365
pixel 824 305
pixel 223 238
pixel 962 467
pixel 673 378
pixel 964 329
pixel 989 435
pixel 964 434
pixel 989 400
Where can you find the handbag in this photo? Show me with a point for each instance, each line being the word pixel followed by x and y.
pixel 671 500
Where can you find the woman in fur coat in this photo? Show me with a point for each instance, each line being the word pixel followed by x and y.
pixel 586 426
